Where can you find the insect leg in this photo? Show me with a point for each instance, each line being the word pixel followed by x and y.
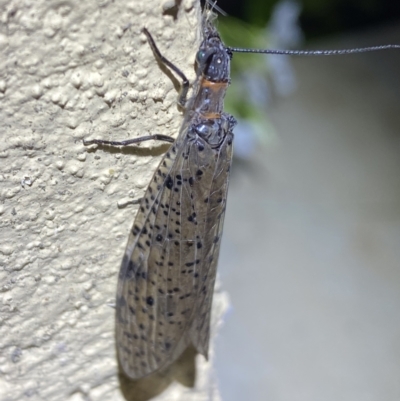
pixel 123 203
pixel 156 137
pixel 185 82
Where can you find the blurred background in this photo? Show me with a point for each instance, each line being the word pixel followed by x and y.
pixel 311 249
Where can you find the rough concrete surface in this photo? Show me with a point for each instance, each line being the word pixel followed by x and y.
pixel 72 70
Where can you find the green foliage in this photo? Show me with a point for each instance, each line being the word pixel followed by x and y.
pixel 236 33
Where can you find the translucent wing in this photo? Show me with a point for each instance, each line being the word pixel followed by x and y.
pixel 212 234
pixel 167 275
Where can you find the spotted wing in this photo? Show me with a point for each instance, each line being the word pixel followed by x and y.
pixel 167 274
pixel 213 221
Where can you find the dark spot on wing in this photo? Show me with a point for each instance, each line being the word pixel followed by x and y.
pixel 169 182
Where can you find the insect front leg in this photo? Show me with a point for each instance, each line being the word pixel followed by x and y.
pixel 185 82
pixel 181 101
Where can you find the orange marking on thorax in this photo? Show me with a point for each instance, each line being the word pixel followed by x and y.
pixel 211 115
pixel 213 85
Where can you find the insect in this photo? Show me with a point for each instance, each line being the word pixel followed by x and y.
pixel 166 280
pixel 167 275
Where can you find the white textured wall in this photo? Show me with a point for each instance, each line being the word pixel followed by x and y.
pixel 72 70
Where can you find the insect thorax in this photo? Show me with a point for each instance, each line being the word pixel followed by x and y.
pixel 213 131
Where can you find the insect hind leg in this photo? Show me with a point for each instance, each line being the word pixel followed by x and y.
pixel 156 137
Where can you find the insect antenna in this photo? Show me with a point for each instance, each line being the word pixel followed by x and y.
pixel 314 52
pixel 213 6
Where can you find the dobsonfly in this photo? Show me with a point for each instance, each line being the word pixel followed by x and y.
pixel 167 275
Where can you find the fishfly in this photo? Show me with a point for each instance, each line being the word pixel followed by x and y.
pixel 167 275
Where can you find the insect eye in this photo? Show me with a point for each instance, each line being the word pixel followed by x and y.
pixel 200 56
